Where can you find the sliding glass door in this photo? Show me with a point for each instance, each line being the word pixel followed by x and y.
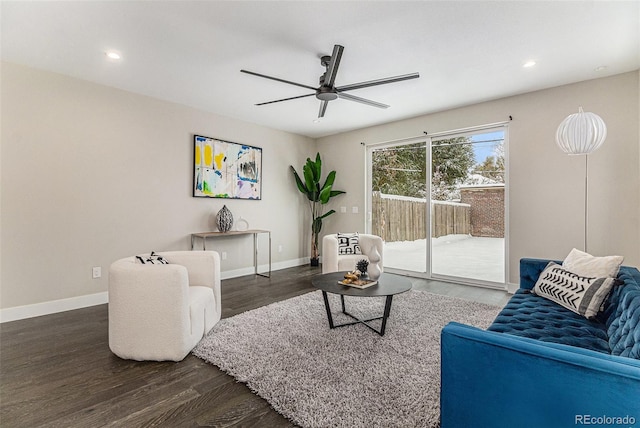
pixel 468 207
pixel 439 203
pixel 399 205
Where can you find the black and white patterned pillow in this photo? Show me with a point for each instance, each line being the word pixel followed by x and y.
pixel 348 243
pixel 580 294
pixel 153 259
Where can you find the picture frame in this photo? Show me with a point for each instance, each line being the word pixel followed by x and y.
pixel 224 169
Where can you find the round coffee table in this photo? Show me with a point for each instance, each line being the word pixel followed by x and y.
pixel 388 286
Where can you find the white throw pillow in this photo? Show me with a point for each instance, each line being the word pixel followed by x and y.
pixel 585 264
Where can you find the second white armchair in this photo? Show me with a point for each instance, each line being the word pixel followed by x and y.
pixel 333 261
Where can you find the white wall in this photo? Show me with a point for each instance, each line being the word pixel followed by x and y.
pixel 91 174
pixel 546 192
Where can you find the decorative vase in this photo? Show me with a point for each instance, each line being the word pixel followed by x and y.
pixel 314 261
pixel 224 219
pixel 373 270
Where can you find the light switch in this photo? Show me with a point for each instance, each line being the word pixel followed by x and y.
pixel 354 210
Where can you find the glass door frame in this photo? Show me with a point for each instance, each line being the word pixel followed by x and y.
pixel 428 139
pixel 370 148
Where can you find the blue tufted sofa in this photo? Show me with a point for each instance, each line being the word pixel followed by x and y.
pixel 540 365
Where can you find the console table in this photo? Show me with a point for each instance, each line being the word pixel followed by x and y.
pixel 254 232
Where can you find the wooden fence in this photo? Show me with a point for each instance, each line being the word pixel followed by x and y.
pixel 403 219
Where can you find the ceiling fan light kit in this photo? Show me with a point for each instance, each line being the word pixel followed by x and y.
pixel 327 91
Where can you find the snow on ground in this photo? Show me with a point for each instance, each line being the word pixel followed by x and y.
pixel 453 255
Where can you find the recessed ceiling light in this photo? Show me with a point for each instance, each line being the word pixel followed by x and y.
pixel 601 68
pixel 528 64
pixel 113 55
pixel 318 120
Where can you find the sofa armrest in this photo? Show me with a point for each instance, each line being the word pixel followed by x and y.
pixel 498 380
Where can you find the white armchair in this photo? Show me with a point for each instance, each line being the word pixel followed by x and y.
pixel 161 311
pixel 334 262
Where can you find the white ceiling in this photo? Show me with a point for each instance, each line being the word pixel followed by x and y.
pixel 191 52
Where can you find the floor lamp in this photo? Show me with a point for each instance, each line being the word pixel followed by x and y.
pixel 581 134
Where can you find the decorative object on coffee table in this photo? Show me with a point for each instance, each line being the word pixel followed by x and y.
pixel 318 195
pixel 362 266
pixel 224 219
pixel 374 269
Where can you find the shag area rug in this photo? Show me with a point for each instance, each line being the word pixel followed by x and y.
pixel 348 376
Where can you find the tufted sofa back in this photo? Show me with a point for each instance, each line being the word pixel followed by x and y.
pixel 623 316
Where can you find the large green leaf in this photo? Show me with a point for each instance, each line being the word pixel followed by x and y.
pixel 299 182
pixel 330 179
pixel 337 192
pixel 327 214
pixel 325 194
pixel 315 170
pixel 312 191
pixel 318 167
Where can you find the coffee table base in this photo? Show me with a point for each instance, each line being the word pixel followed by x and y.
pixel 384 317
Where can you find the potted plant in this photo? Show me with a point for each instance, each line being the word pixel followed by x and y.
pixel 318 195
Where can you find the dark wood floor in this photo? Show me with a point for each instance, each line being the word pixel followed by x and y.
pixel 57 370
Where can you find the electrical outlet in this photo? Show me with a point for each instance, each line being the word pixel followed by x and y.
pixel 354 210
pixel 224 255
pixel 343 209
pixel 96 272
pixel 279 248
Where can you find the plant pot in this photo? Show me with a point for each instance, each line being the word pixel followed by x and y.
pixel 315 261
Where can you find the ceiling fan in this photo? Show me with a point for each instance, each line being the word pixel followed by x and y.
pixel 327 91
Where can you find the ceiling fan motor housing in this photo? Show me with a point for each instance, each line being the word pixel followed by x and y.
pixel 325 93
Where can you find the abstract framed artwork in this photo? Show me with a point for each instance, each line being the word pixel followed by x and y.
pixel 223 169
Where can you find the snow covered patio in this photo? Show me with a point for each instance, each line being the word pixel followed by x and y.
pixel 453 255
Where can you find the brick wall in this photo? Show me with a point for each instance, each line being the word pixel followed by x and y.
pixel 487 210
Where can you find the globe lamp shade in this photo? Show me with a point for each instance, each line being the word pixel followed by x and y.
pixel 581 133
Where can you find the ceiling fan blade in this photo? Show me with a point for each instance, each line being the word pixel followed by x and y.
pixel 332 68
pixel 378 82
pixel 284 99
pixel 323 108
pixel 362 100
pixel 278 79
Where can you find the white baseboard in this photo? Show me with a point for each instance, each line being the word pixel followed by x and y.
pixel 264 268
pixel 62 305
pixel 511 288
pixel 52 307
